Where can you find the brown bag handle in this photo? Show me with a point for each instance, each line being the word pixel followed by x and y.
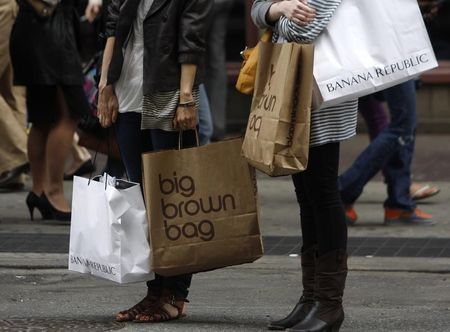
pixel 180 138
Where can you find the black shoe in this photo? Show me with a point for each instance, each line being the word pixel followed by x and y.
pixel 34 201
pixel 299 313
pixel 327 314
pixel 54 213
pixel 7 176
pixel 85 168
pixel 306 302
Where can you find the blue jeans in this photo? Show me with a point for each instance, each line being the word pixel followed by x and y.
pixel 132 143
pixel 205 120
pixel 392 148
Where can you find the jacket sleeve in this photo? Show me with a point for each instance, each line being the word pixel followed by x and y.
pixel 112 18
pixel 293 32
pixel 194 21
pixel 259 12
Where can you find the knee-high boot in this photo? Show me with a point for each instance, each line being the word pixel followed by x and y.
pixel 327 314
pixel 306 302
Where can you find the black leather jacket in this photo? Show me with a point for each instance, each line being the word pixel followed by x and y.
pixel 174 33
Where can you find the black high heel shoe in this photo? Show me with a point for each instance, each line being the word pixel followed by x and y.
pixel 34 201
pixel 55 213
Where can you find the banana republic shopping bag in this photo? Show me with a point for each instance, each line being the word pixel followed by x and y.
pixel 109 230
pixel 202 208
pixel 370 46
pixel 277 136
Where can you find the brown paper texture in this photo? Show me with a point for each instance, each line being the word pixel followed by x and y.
pixel 277 136
pixel 202 208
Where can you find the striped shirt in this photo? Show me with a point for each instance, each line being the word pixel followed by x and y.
pixel 159 109
pixel 331 124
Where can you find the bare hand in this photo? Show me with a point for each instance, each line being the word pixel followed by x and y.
pixel 91 12
pixel 297 11
pixel 185 118
pixel 108 106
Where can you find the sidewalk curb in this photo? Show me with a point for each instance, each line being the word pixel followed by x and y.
pixel 35 261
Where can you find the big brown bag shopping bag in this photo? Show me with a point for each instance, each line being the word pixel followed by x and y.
pixel 202 208
pixel 277 136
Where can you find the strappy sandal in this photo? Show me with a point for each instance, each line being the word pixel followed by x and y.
pixel 419 191
pixel 130 314
pixel 166 309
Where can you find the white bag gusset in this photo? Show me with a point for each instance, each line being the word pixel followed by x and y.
pixel 109 231
pixel 370 46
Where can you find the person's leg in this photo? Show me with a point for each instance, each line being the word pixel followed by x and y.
pixel 174 290
pixel 216 74
pixel 374 157
pixel 402 104
pixel 59 142
pixel 331 232
pixel 164 140
pixel 37 142
pixel 205 119
pixel 374 115
pixel 13 142
pixel 308 256
pixel 321 187
pixel 132 143
pixel 80 156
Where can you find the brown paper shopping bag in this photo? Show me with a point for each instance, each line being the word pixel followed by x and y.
pixel 202 208
pixel 277 136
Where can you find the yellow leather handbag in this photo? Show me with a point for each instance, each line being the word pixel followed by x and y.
pixel 247 75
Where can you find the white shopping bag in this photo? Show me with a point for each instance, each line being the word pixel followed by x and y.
pixel 109 230
pixel 368 46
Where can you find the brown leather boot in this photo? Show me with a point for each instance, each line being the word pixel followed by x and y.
pixel 327 314
pixel 306 302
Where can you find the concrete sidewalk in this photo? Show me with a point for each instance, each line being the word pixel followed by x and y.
pixel 383 293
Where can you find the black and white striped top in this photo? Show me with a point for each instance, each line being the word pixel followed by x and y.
pixel 331 124
pixel 158 109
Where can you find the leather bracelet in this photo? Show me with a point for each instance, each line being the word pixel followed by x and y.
pixel 187 105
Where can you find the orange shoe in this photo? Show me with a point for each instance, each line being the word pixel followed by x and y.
pixel 405 217
pixel 350 215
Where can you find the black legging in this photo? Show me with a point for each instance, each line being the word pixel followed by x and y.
pixel 321 210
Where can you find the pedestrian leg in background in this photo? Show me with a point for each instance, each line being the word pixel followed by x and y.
pixel 399 206
pixel 388 144
pixel 216 71
pixel 375 116
pixel 13 137
pixel 81 160
pixel 205 119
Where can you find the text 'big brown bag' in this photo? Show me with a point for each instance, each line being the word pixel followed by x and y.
pixel 202 208
pixel 277 136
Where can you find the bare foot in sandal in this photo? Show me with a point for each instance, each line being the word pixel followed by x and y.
pixel 421 191
pixel 145 304
pixel 166 309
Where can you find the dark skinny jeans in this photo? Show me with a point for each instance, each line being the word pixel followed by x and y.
pixel 321 211
pixel 133 142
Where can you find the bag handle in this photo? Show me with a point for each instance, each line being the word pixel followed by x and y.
pixel 180 138
pixel 108 138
